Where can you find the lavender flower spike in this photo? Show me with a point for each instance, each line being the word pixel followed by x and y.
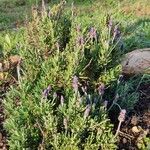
pixel 46 92
pixel 93 33
pixel 87 111
pixel 75 83
pixel 121 118
pixel 122 114
pixel 116 33
pixel 80 41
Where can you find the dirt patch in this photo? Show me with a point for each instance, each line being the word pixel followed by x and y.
pixel 135 132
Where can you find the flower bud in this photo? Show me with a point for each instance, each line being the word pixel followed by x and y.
pixel 80 41
pixel 92 33
pixel 46 92
pixel 116 33
pixel 122 114
pixel 75 83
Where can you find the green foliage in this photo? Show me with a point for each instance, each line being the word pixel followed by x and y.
pixel 138 38
pixel 38 123
pixel 144 144
pixel 56 48
pixel 9 43
pixel 128 95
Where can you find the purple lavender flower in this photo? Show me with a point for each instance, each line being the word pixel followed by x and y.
pixel 80 41
pixel 46 92
pixel 87 111
pixel 101 89
pixel 75 83
pixel 122 114
pixel 116 33
pixel 93 33
pixel 121 118
pixel 62 100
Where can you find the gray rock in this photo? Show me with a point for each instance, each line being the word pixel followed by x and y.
pixel 136 62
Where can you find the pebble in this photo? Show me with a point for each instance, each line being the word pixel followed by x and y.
pixel 135 129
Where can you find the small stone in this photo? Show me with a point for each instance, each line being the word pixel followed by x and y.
pixel 135 129
pixel 124 140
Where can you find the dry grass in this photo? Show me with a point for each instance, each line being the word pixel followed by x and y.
pixel 139 8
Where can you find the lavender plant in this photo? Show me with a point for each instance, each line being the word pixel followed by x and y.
pixel 64 73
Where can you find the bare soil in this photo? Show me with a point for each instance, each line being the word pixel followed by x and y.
pixel 137 124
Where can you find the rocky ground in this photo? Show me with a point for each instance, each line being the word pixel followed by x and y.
pixel 137 125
